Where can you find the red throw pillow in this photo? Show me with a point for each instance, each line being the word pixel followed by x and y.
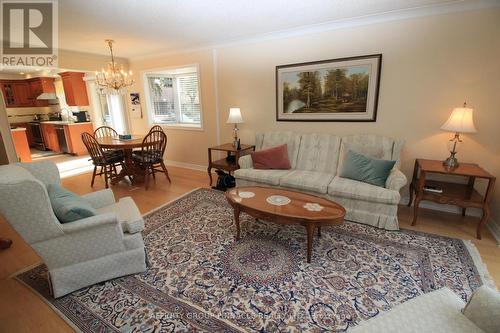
pixel 272 158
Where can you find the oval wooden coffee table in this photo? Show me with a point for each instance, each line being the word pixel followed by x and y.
pixel 294 212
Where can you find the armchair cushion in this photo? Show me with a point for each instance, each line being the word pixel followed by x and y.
pixel 68 206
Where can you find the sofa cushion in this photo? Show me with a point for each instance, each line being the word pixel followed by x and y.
pixel 67 206
pixel 128 214
pixel 437 311
pixel 366 169
pixel 318 152
pixel 271 158
pixel 483 309
pixel 375 146
pixel 270 177
pixel 291 139
pixel 352 189
pixel 311 181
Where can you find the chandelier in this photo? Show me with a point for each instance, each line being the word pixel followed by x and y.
pixel 114 80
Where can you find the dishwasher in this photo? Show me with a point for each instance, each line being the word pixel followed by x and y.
pixel 61 138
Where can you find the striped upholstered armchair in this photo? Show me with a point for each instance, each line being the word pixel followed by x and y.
pixel 79 253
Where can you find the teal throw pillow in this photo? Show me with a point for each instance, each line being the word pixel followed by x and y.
pixel 68 206
pixel 366 169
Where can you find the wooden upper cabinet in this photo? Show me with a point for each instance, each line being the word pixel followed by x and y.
pixel 23 93
pixel 75 89
pixel 39 86
pixel 8 94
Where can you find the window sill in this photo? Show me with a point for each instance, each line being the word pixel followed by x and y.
pixel 181 126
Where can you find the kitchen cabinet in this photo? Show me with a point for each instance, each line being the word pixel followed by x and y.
pixel 8 94
pixel 16 93
pixel 72 133
pixel 21 144
pixel 23 93
pixel 74 137
pixel 75 89
pixel 29 134
pixel 39 86
pixel 50 137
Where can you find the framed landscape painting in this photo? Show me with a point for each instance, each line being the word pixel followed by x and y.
pixel 331 90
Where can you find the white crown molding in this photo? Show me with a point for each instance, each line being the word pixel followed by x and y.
pixel 396 15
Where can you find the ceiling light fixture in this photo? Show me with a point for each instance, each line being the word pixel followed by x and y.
pixel 114 80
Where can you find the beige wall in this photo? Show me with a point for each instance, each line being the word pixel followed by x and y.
pixel 185 146
pixel 430 65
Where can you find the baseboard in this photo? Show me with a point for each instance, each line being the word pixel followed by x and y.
pixel 186 165
pixel 494 228
pixel 492 225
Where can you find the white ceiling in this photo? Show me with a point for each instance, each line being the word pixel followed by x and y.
pixel 144 27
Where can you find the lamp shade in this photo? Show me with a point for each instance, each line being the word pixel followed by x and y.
pixel 234 116
pixel 460 121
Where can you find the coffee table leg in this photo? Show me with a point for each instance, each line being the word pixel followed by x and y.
pixel 319 231
pixel 310 233
pixel 237 222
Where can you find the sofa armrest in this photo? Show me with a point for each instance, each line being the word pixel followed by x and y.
pixel 90 223
pixel 245 162
pixel 396 180
pixel 100 199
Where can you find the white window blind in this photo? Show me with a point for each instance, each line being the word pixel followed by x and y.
pixel 189 99
pixel 175 98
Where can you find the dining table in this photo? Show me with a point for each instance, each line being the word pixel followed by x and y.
pixel 131 170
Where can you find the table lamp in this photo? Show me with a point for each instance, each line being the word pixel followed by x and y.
pixel 235 118
pixel 460 121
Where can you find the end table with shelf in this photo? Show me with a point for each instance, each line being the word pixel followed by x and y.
pixel 462 195
pixel 230 163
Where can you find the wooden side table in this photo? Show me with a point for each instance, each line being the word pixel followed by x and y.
pixel 462 195
pixel 227 164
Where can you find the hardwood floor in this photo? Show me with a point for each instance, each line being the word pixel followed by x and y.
pixel 23 311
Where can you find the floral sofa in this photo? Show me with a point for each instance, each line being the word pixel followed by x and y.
pixel 316 161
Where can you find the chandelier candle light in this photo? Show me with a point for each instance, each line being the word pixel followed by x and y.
pixel 460 121
pixel 114 80
pixel 235 118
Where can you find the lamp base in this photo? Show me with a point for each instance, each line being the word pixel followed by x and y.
pixel 451 162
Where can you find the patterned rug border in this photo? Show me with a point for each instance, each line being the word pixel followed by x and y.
pixel 47 301
pixel 482 268
pixel 474 257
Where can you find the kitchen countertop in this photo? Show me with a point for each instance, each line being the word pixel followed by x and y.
pixel 60 122
pixel 18 129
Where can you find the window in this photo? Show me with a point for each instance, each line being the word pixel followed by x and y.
pixel 174 97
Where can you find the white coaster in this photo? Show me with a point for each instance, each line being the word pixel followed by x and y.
pixel 246 194
pixel 313 207
pixel 278 200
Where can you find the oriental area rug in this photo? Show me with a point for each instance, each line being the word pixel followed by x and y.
pixel 201 280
